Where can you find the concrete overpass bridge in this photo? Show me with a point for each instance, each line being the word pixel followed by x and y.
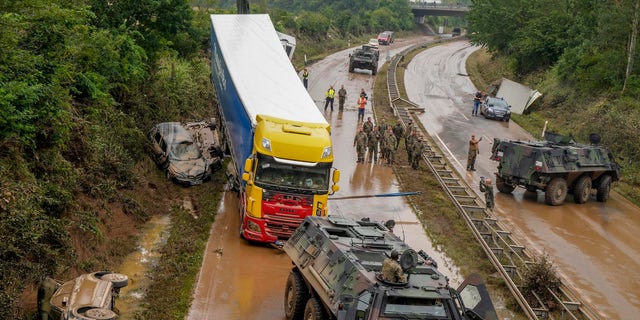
pixel 421 9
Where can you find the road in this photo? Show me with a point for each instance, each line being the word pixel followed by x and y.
pixel 594 246
pixel 239 280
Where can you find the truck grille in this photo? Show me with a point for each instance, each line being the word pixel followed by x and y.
pixel 281 226
pixel 283 212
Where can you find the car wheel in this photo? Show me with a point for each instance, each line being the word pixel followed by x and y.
pixel 604 187
pixel 296 295
pixel 313 310
pixel 556 192
pixel 582 190
pixel 118 280
pixel 503 186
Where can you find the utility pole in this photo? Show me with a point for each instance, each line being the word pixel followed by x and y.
pixel 632 44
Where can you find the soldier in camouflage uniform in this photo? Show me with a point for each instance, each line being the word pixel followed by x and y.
pixel 382 126
pixel 391 269
pixel 360 142
pixel 398 131
pixel 367 127
pixel 408 143
pixel 373 138
pixel 391 147
pixel 487 189
pixel 416 152
pixel 473 152
pixel 383 143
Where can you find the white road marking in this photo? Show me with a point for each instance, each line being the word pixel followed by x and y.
pixel 448 151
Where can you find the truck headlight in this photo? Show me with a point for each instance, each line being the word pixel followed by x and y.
pixel 326 152
pixel 266 144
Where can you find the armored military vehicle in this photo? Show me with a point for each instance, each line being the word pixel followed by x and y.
pixel 90 296
pixel 365 57
pixel 557 166
pixel 337 275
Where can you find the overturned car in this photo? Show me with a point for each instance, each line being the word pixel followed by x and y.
pixel 89 296
pixel 189 153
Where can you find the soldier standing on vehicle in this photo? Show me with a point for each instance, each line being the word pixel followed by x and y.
pixel 473 152
pixel 391 147
pixel 398 131
pixel 360 142
pixel 391 269
pixel 362 102
pixel 416 153
pixel 342 96
pixel 367 127
pixel 372 144
pixel 487 189
pixel 305 77
pixel 331 93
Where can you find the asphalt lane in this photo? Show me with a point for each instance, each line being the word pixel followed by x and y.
pixel 594 246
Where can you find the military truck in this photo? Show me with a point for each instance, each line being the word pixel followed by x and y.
pixel 365 57
pixel 337 275
pixel 558 166
pixel 90 296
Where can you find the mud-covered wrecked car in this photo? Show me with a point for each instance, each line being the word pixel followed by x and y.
pixel 90 296
pixel 188 152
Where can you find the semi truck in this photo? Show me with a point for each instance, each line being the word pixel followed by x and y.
pixel 280 147
pixel 339 273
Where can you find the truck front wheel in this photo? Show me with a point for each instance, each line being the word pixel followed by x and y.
pixel 582 190
pixel 313 310
pixel 503 186
pixel 604 187
pixel 295 296
pixel 556 192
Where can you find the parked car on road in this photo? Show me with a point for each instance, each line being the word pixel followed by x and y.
pixel 496 108
pixel 385 38
pixel 90 296
pixel 456 32
pixel 373 43
pixel 187 152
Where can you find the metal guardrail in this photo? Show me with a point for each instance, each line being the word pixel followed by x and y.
pixel 505 253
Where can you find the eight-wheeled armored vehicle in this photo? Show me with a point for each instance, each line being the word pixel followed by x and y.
pixel 337 275
pixel 557 166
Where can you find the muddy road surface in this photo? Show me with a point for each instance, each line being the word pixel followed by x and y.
pixel 595 246
pixel 239 280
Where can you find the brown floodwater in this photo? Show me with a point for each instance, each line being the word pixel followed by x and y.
pixel 239 280
pixel 594 246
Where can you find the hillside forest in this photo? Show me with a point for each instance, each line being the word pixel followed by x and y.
pixel 82 81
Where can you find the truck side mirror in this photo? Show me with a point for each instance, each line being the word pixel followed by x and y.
pixel 248 164
pixel 335 188
pixel 245 177
pixel 336 176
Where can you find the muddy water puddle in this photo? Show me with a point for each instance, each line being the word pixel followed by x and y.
pixel 137 263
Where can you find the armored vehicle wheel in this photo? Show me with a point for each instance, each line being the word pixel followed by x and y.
pixel 603 188
pixel 313 310
pixel 582 190
pixel 503 186
pixel 556 192
pixel 295 296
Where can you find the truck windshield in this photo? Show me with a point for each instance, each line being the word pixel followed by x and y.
pixel 414 308
pixel 314 180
